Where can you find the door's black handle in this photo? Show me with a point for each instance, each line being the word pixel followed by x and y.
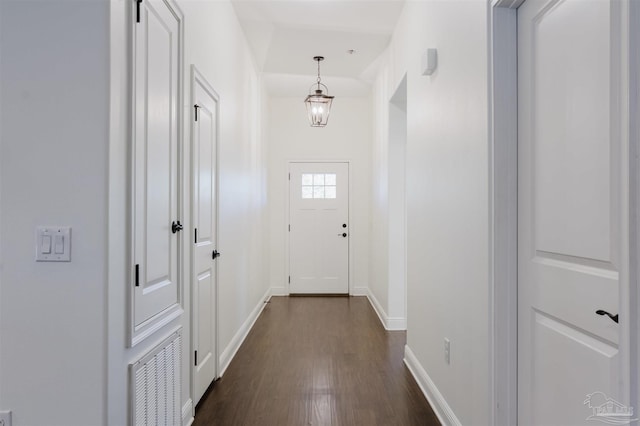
pixel 215 254
pixel 176 226
pixel 614 318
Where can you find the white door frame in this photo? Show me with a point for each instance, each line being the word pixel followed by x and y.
pixel 503 202
pixel 503 196
pixel 196 75
pixel 287 251
pixel 634 198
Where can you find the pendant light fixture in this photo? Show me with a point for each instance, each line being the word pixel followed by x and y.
pixel 318 103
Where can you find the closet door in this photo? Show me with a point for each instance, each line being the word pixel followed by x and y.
pixel 204 211
pixel 571 201
pixel 156 223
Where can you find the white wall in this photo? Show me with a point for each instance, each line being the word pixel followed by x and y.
pixel 63 161
pixel 347 136
pixel 447 195
pixel 54 112
pixel 214 42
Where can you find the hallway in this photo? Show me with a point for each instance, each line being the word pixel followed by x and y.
pixel 479 173
pixel 317 361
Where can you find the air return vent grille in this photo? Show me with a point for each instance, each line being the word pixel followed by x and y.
pixel 155 384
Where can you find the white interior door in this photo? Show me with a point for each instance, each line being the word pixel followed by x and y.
pixel 155 158
pixel 204 210
pixel 570 211
pixel 319 228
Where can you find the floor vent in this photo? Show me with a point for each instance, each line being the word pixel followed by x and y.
pixel 155 384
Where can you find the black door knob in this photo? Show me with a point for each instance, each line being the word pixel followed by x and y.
pixel 344 235
pixel 176 226
pixel 215 254
pixel 614 318
pixel 344 225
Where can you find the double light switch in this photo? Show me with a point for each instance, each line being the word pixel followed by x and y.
pixel 53 244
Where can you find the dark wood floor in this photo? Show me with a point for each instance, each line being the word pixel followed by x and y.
pixel 317 361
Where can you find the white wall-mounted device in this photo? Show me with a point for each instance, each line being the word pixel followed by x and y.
pixel 429 61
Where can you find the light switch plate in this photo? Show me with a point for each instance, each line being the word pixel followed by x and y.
pixel 53 244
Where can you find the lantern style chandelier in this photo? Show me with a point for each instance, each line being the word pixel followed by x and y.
pixel 318 103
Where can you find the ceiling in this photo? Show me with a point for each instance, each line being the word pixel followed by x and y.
pixel 285 36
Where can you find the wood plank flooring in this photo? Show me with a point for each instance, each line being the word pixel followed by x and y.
pixel 317 361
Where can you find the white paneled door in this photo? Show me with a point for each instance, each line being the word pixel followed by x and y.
pixel 155 161
pixel 570 202
pixel 205 213
pixel 319 228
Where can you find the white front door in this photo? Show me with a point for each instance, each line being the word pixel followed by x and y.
pixel 204 210
pixel 571 191
pixel 319 228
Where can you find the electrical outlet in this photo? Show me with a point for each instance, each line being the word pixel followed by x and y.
pixel 5 418
pixel 447 351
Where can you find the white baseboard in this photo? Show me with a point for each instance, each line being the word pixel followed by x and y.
pixel 396 323
pixel 282 291
pixel 230 351
pixel 360 291
pixel 436 400
pixel 279 291
pixel 387 322
pixel 187 413
pixel 377 307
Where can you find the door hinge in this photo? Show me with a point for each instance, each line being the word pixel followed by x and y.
pixel 195 236
pixel 195 107
pixel 137 275
pixel 195 356
pixel 289 279
pixel 289 176
pixel 289 228
pixel 138 3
